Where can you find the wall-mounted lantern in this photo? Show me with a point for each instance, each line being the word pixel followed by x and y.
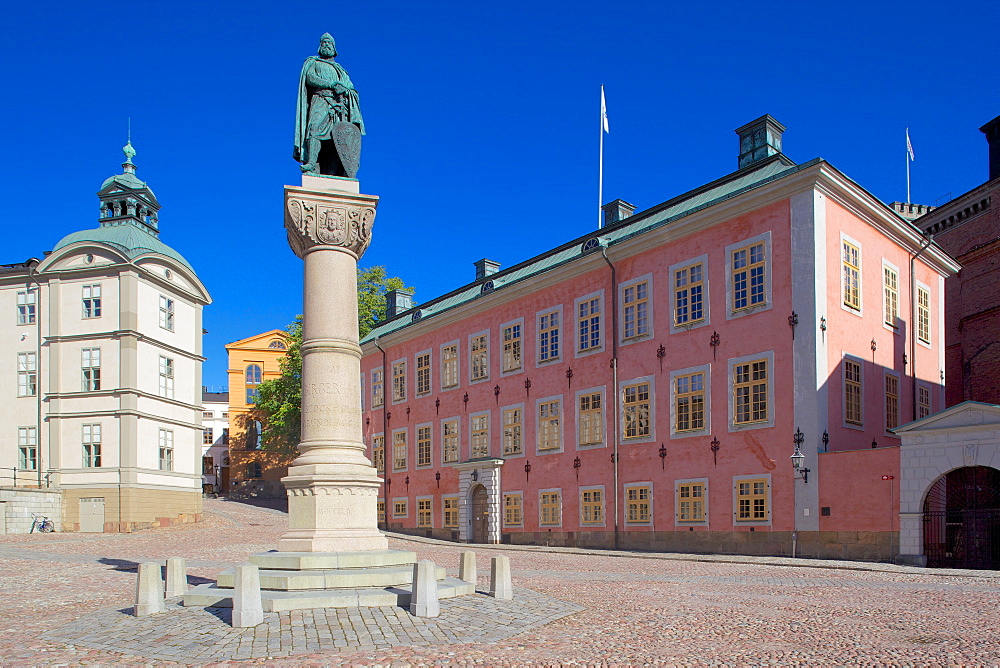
pixel 527 470
pixel 663 457
pixel 576 467
pixel 826 441
pixel 437 477
pixel 715 450
pixel 798 458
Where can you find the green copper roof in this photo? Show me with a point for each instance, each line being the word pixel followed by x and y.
pixel 127 238
pixel 708 195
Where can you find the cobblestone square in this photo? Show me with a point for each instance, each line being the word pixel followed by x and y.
pixel 66 599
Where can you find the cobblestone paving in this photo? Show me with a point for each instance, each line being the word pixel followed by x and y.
pixel 62 598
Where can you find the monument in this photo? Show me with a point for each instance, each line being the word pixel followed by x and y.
pixel 333 554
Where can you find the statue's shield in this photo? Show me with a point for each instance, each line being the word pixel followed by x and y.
pixel 347 139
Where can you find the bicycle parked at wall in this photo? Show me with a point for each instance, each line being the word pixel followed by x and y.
pixel 43 524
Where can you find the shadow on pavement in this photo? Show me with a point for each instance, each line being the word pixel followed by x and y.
pixel 128 566
pixel 280 504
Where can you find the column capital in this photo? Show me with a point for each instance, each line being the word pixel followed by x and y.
pixel 328 220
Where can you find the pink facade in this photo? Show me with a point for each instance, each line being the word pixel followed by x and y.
pixel 700 404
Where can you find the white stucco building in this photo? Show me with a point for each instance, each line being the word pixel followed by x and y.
pixel 103 338
pixel 215 441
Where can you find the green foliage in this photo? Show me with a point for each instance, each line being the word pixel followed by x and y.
pixel 279 400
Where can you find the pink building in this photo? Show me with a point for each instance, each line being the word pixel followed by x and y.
pixel 644 386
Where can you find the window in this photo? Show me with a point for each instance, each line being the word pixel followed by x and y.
pixel 750 392
pixel 589 324
pixel 513 515
pixel 635 308
pixel 399 381
pixel 225 436
pixel 512 347
pixel 254 435
pixel 548 425
pixel 689 293
pixel 891 402
pixel 207 465
pixel 637 504
pixel 378 388
pixel 549 508
pixel 636 410
pixel 451 512
pixel 91 445
pixel 591 506
pixel 399 508
pixel 254 470
pixel 853 393
pixel 752 500
pixel 512 431
pixel 399 451
pixel 207 415
pixel 923 315
pixel 891 290
pixel 691 502
pixel 425 512
pixel 27 448
pixel 225 415
pixel 449 366
pixel 852 275
pixel 689 402
pixel 166 388
pixel 381 511
pixel 27 375
pixel 277 345
pixel 92 301
pixel 923 402
pixel 166 450
pixel 166 313
pixel 378 453
pixel 481 435
pixel 449 442
pixel 254 375
pixel 479 357
pixel 91 365
pixel 749 266
pixel 548 336
pixel 591 422
pixel 423 446
pixel 423 374
pixel 26 300
pixel 207 436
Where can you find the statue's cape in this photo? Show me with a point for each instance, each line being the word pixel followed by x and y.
pixel 302 107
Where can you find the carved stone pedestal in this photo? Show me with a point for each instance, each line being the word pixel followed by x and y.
pixel 332 486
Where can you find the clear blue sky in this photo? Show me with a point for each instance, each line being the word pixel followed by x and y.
pixel 482 119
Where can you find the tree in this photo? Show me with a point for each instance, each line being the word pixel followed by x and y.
pixel 279 400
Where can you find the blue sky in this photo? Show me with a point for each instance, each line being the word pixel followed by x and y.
pixel 482 119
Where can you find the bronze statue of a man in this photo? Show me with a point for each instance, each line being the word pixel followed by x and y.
pixel 328 123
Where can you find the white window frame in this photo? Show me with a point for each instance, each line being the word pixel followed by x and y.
pixel 736 507
pixel 503 433
pixel 405 376
pixel 601 322
pixel 429 370
pixel 706 302
pixel 560 335
pixel 604 506
pixel 895 329
pixel 731 312
pixel 519 323
pixel 416 446
pixel 27 374
pixel 558 398
pixel 843 392
pixel 93 300
pixel 27 306
pixel 705 369
pixel 489 433
pixel 27 448
pixel 166 450
pixel 458 365
pixel 167 376
pixel 730 386
pixel 550 490
pixel 861 276
pixel 485 354
pixel 95 458
pixel 930 336
pixel 167 313
pixel 602 390
pixel 622 384
pixel 677 507
pixel 375 437
pixel 650 310
pixel 406 450
pixel 90 360
pixel 652 509
pixel 378 402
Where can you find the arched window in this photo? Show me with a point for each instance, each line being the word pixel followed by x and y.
pixel 277 345
pixel 254 470
pixel 253 374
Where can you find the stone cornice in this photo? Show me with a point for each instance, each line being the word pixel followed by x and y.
pixel 125 333
pixel 328 220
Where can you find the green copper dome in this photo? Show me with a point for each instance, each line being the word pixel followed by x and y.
pixel 128 239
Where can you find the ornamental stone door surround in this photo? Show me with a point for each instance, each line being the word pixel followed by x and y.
pixel 473 473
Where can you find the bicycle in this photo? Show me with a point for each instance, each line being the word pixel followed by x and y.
pixel 44 525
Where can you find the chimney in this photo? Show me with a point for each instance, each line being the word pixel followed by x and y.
pixel 397 301
pixel 992 132
pixel 759 139
pixel 616 211
pixel 486 268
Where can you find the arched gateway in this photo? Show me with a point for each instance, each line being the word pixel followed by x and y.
pixel 962 519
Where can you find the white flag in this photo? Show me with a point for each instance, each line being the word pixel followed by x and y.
pixel 604 112
pixel 909 146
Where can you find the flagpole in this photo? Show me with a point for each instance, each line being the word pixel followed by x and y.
pixel 907 158
pixel 600 169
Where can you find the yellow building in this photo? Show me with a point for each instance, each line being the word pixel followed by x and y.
pixel 253 472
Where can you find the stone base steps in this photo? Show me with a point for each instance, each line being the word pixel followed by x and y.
pixel 341 578
pixel 209 595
